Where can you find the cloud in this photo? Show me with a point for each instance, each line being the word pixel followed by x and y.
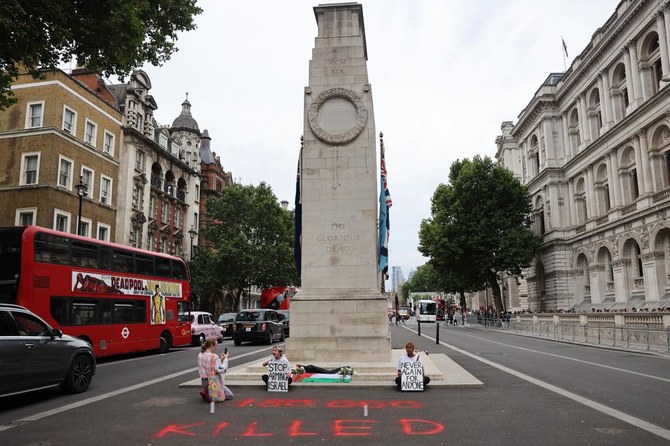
pixel 444 76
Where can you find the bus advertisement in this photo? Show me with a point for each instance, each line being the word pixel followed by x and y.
pixel 427 311
pixel 118 298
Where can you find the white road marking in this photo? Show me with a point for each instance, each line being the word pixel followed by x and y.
pixel 95 399
pixel 574 359
pixel 626 418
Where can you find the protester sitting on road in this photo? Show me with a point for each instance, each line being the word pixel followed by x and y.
pixel 277 356
pixel 409 356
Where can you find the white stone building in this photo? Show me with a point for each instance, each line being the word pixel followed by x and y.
pixel 592 146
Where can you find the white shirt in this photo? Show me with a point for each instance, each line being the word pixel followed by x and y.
pixel 405 358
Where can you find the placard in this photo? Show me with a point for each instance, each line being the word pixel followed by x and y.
pixel 278 373
pixel 411 378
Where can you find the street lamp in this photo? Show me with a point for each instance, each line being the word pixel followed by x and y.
pixel 192 233
pixel 82 188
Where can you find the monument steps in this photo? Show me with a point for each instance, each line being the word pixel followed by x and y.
pixel 443 372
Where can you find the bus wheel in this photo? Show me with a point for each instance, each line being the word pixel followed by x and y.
pixel 166 342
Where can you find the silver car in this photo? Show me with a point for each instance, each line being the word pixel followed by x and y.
pixel 34 356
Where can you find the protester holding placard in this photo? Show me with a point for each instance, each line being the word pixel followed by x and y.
pixel 279 369
pixel 410 364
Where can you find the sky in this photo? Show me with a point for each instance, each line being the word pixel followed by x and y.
pixel 445 74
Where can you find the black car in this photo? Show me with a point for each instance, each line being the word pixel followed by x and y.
pixel 285 319
pixel 33 355
pixel 226 322
pixel 258 326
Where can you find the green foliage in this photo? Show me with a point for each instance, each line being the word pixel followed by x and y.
pixel 424 279
pixel 479 226
pixel 109 36
pixel 406 289
pixel 253 241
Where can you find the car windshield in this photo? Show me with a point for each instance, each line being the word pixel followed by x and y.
pixel 226 318
pixel 249 316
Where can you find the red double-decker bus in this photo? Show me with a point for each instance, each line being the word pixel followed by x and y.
pixel 277 297
pixel 441 308
pixel 119 299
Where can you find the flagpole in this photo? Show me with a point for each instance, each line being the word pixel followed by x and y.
pixel 381 157
pixel 563 51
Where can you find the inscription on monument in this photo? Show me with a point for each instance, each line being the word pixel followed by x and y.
pixel 337 65
pixel 336 241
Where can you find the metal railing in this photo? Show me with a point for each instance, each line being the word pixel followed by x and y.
pixel 638 336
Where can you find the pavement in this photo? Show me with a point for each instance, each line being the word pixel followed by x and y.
pixel 442 370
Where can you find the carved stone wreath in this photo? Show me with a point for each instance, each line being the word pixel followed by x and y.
pixel 338 138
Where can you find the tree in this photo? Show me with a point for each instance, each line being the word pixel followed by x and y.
pixel 424 279
pixel 479 227
pixel 253 239
pixel 108 36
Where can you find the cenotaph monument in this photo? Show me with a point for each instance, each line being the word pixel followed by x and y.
pixel 339 314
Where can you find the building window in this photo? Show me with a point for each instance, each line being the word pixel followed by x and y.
pixel 152 207
pixel 88 177
pixel 140 161
pixel 105 190
pixel 85 227
pixel 61 221
pixel 30 163
pixel 34 114
pixel 150 241
pixel 162 141
pixel 25 216
pixel 90 132
pixel 195 220
pixel 69 120
pixel 164 245
pixel 136 237
pixel 165 212
pixel 634 189
pixel 103 232
pixel 137 197
pixel 177 218
pixel 108 146
pixel 65 173
pixel 197 192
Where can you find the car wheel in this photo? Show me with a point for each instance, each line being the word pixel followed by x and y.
pixel 268 341
pixel 202 338
pixel 166 342
pixel 237 342
pixel 283 336
pixel 80 374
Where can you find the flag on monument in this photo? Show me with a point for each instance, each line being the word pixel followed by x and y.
pixel 385 203
pixel 297 247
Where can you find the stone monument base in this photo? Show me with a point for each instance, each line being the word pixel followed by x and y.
pixel 338 326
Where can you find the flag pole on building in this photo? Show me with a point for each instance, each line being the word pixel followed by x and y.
pixel 565 53
pixel 297 247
